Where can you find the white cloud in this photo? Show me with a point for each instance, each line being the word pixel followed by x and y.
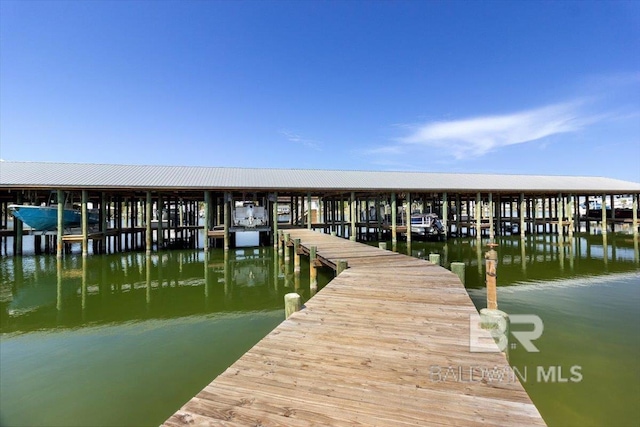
pixel 480 135
pixel 297 139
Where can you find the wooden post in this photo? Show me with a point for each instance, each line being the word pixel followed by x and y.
pixel 394 213
pixel 434 259
pixel 635 214
pixel 292 303
pixel 458 268
pixel 352 216
pixel 160 229
pixel 313 272
pixel 274 214
pixel 523 213
pixel 227 219
pixel 445 213
pixel 478 216
pixel 309 211
pixel 85 223
pixel 408 216
pixel 378 218
pixel 382 245
pixel 341 266
pixel 491 218
pixel 287 255
pixel 207 220
pixel 60 230
pixel 603 209
pixel 296 256
pixel 147 218
pixel 104 224
pixel 560 217
pixel 491 262
pixel 18 228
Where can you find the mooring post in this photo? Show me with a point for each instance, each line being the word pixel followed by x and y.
pixel 313 272
pixel 434 259
pixel 341 266
pixel 458 268
pixel 296 256
pixel 491 262
pixel 292 303
pixel 382 245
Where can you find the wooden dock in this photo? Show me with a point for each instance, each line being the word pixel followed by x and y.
pixel 385 343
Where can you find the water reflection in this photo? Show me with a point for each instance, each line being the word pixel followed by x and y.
pixel 122 287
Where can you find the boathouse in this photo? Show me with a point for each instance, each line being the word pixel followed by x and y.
pixel 147 207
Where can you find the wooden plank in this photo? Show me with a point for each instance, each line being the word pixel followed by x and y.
pixel 384 343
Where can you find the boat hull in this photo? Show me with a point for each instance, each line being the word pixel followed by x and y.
pixel 45 218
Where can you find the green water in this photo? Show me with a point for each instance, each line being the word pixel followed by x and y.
pixel 125 340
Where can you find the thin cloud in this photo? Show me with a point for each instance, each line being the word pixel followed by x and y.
pixel 480 135
pixel 297 139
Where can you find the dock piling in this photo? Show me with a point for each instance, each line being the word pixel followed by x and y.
pixel 292 303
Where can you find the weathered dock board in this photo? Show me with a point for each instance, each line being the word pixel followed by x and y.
pixel 371 348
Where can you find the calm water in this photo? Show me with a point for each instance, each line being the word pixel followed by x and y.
pixel 126 340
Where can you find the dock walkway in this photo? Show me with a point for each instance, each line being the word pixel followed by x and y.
pixel 385 343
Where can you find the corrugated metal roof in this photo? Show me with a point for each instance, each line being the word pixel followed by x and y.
pixel 103 176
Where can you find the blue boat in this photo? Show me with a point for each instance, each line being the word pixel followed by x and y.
pixel 45 218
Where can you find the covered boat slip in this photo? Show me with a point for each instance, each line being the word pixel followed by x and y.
pixel 387 342
pixel 147 207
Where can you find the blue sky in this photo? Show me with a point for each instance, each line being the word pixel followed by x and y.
pixel 495 86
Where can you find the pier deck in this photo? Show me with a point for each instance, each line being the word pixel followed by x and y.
pixel 371 348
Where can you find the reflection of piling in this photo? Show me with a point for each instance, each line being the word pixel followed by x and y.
pixel 491 262
pixel 292 303
pixel 458 269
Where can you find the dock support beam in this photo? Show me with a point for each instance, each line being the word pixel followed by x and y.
pixel 408 219
pixel 523 213
pixel 60 231
pixel 18 226
pixel 227 219
pixel 394 213
pixel 478 216
pixel 635 214
pixel 85 223
pixel 603 209
pixel 207 219
pixel 147 218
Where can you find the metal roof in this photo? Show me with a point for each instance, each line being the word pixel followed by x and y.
pixel 24 175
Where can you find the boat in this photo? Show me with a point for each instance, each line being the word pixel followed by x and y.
pixel 427 225
pixel 45 218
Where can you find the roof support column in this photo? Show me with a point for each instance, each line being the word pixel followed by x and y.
pixel 227 219
pixel 394 213
pixel 491 218
pixel 147 219
pixel 18 228
pixel 478 206
pixel 635 215
pixel 560 217
pixel 352 216
pixel 85 223
pixel 445 213
pixel 603 210
pixel 309 211
pixel 207 223
pixel 60 230
pixel 408 215
pixel 160 215
pixel 523 213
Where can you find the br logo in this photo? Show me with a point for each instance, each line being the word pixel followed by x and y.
pixel 493 329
